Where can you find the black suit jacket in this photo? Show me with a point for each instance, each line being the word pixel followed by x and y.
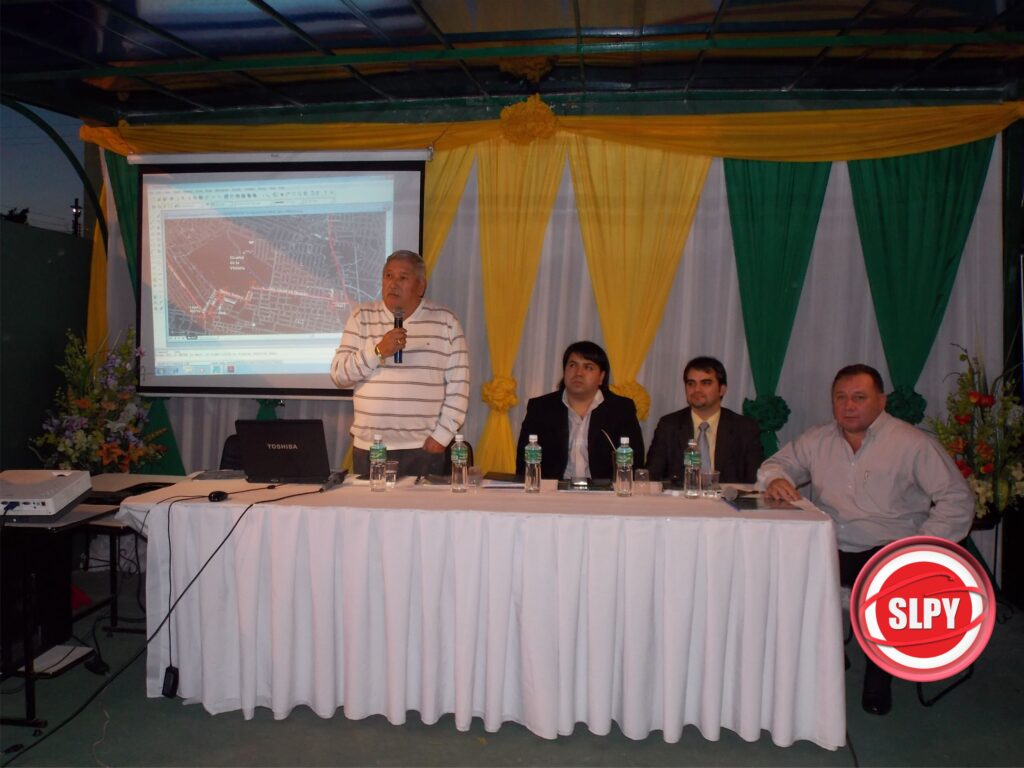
pixel 738 451
pixel 548 418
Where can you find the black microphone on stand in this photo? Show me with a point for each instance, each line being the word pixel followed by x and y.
pixel 399 316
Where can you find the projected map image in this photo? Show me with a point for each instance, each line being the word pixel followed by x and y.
pixel 257 275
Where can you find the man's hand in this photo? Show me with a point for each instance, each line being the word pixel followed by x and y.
pixel 780 489
pixel 432 446
pixel 393 341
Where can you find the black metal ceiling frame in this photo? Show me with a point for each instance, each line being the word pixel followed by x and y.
pixel 639 46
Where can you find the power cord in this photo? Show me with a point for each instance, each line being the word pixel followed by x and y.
pixel 109 680
pixel 170 685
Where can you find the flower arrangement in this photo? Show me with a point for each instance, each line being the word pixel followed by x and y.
pixel 984 433
pixel 98 419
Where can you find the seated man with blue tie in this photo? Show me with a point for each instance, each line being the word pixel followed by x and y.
pixel 729 443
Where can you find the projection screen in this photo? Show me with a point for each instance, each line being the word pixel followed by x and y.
pixel 249 270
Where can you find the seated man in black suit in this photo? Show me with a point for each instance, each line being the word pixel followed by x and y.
pixel 579 425
pixel 733 441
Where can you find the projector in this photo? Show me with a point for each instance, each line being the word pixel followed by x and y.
pixel 38 495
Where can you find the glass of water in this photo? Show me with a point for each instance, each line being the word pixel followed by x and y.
pixel 390 474
pixel 710 489
pixel 641 482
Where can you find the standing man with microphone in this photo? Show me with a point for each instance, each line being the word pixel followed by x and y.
pixel 406 360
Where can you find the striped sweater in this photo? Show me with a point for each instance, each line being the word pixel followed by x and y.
pixel 424 396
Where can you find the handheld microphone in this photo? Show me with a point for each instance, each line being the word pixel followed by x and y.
pixel 399 316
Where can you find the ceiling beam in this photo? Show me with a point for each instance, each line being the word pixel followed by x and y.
pixel 326 52
pixel 166 36
pixel 579 43
pixel 435 30
pixel 1000 18
pixel 824 52
pixel 149 84
pixel 523 51
pixel 710 38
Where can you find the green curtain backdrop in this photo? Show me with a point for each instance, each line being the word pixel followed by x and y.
pixel 914 214
pixel 124 184
pixel 774 210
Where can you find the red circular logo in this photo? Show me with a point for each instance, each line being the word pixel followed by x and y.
pixel 922 608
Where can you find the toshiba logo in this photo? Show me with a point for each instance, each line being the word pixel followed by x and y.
pixel 282 446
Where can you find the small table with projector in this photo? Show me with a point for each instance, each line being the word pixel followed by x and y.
pixel 37 585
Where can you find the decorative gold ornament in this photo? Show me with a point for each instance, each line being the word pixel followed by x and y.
pixel 532 69
pixel 635 391
pixel 500 393
pixel 525 121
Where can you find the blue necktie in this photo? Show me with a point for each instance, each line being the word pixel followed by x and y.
pixel 702 446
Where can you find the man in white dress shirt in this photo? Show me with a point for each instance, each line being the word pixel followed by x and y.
pixel 879 478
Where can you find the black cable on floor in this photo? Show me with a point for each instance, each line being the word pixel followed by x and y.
pixel 106 683
pixel 853 752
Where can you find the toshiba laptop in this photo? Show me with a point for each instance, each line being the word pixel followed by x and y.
pixel 283 450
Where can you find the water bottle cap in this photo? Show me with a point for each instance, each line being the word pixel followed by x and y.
pixel 377 438
pixel 458 438
pixel 533 438
pixel 623 441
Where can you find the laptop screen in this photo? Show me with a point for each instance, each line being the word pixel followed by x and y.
pixel 283 450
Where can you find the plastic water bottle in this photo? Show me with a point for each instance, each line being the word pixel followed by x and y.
pixel 460 465
pixel 691 470
pixel 623 468
pixel 532 456
pixel 378 460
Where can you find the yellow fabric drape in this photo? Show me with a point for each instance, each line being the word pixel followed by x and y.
pixel 517 189
pixel 96 314
pixel 635 208
pixel 812 135
pixel 445 181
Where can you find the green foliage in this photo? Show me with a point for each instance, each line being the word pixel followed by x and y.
pixel 984 433
pixel 98 420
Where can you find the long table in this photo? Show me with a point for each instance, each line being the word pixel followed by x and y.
pixel 544 609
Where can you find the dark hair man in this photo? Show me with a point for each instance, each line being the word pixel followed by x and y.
pixel 418 405
pixel 579 425
pixel 732 442
pixel 880 479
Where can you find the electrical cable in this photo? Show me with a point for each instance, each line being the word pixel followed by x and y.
pixel 853 752
pixel 171 674
pixel 111 678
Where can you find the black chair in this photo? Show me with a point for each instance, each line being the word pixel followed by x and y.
pixel 231 454
pixel 448 456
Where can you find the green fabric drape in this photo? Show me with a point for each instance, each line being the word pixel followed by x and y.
pixel 774 210
pixel 914 214
pixel 170 462
pixel 124 184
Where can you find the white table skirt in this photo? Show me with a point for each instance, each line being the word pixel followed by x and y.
pixel 546 610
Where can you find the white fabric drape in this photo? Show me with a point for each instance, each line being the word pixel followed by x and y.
pixel 835 322
pixel 549 610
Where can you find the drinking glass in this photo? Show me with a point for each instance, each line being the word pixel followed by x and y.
pixel 709 486
pixel 390 474
pixel 641 482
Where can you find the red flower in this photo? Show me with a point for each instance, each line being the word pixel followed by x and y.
pixel 974 397
pixel 957 445
pixel 985 450
pixel 964 468
pixel 987 469
pixel 987 401
pixel 962 418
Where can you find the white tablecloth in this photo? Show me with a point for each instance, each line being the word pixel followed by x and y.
pixel 546 610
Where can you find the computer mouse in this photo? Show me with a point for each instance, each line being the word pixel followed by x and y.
pixel 217 495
